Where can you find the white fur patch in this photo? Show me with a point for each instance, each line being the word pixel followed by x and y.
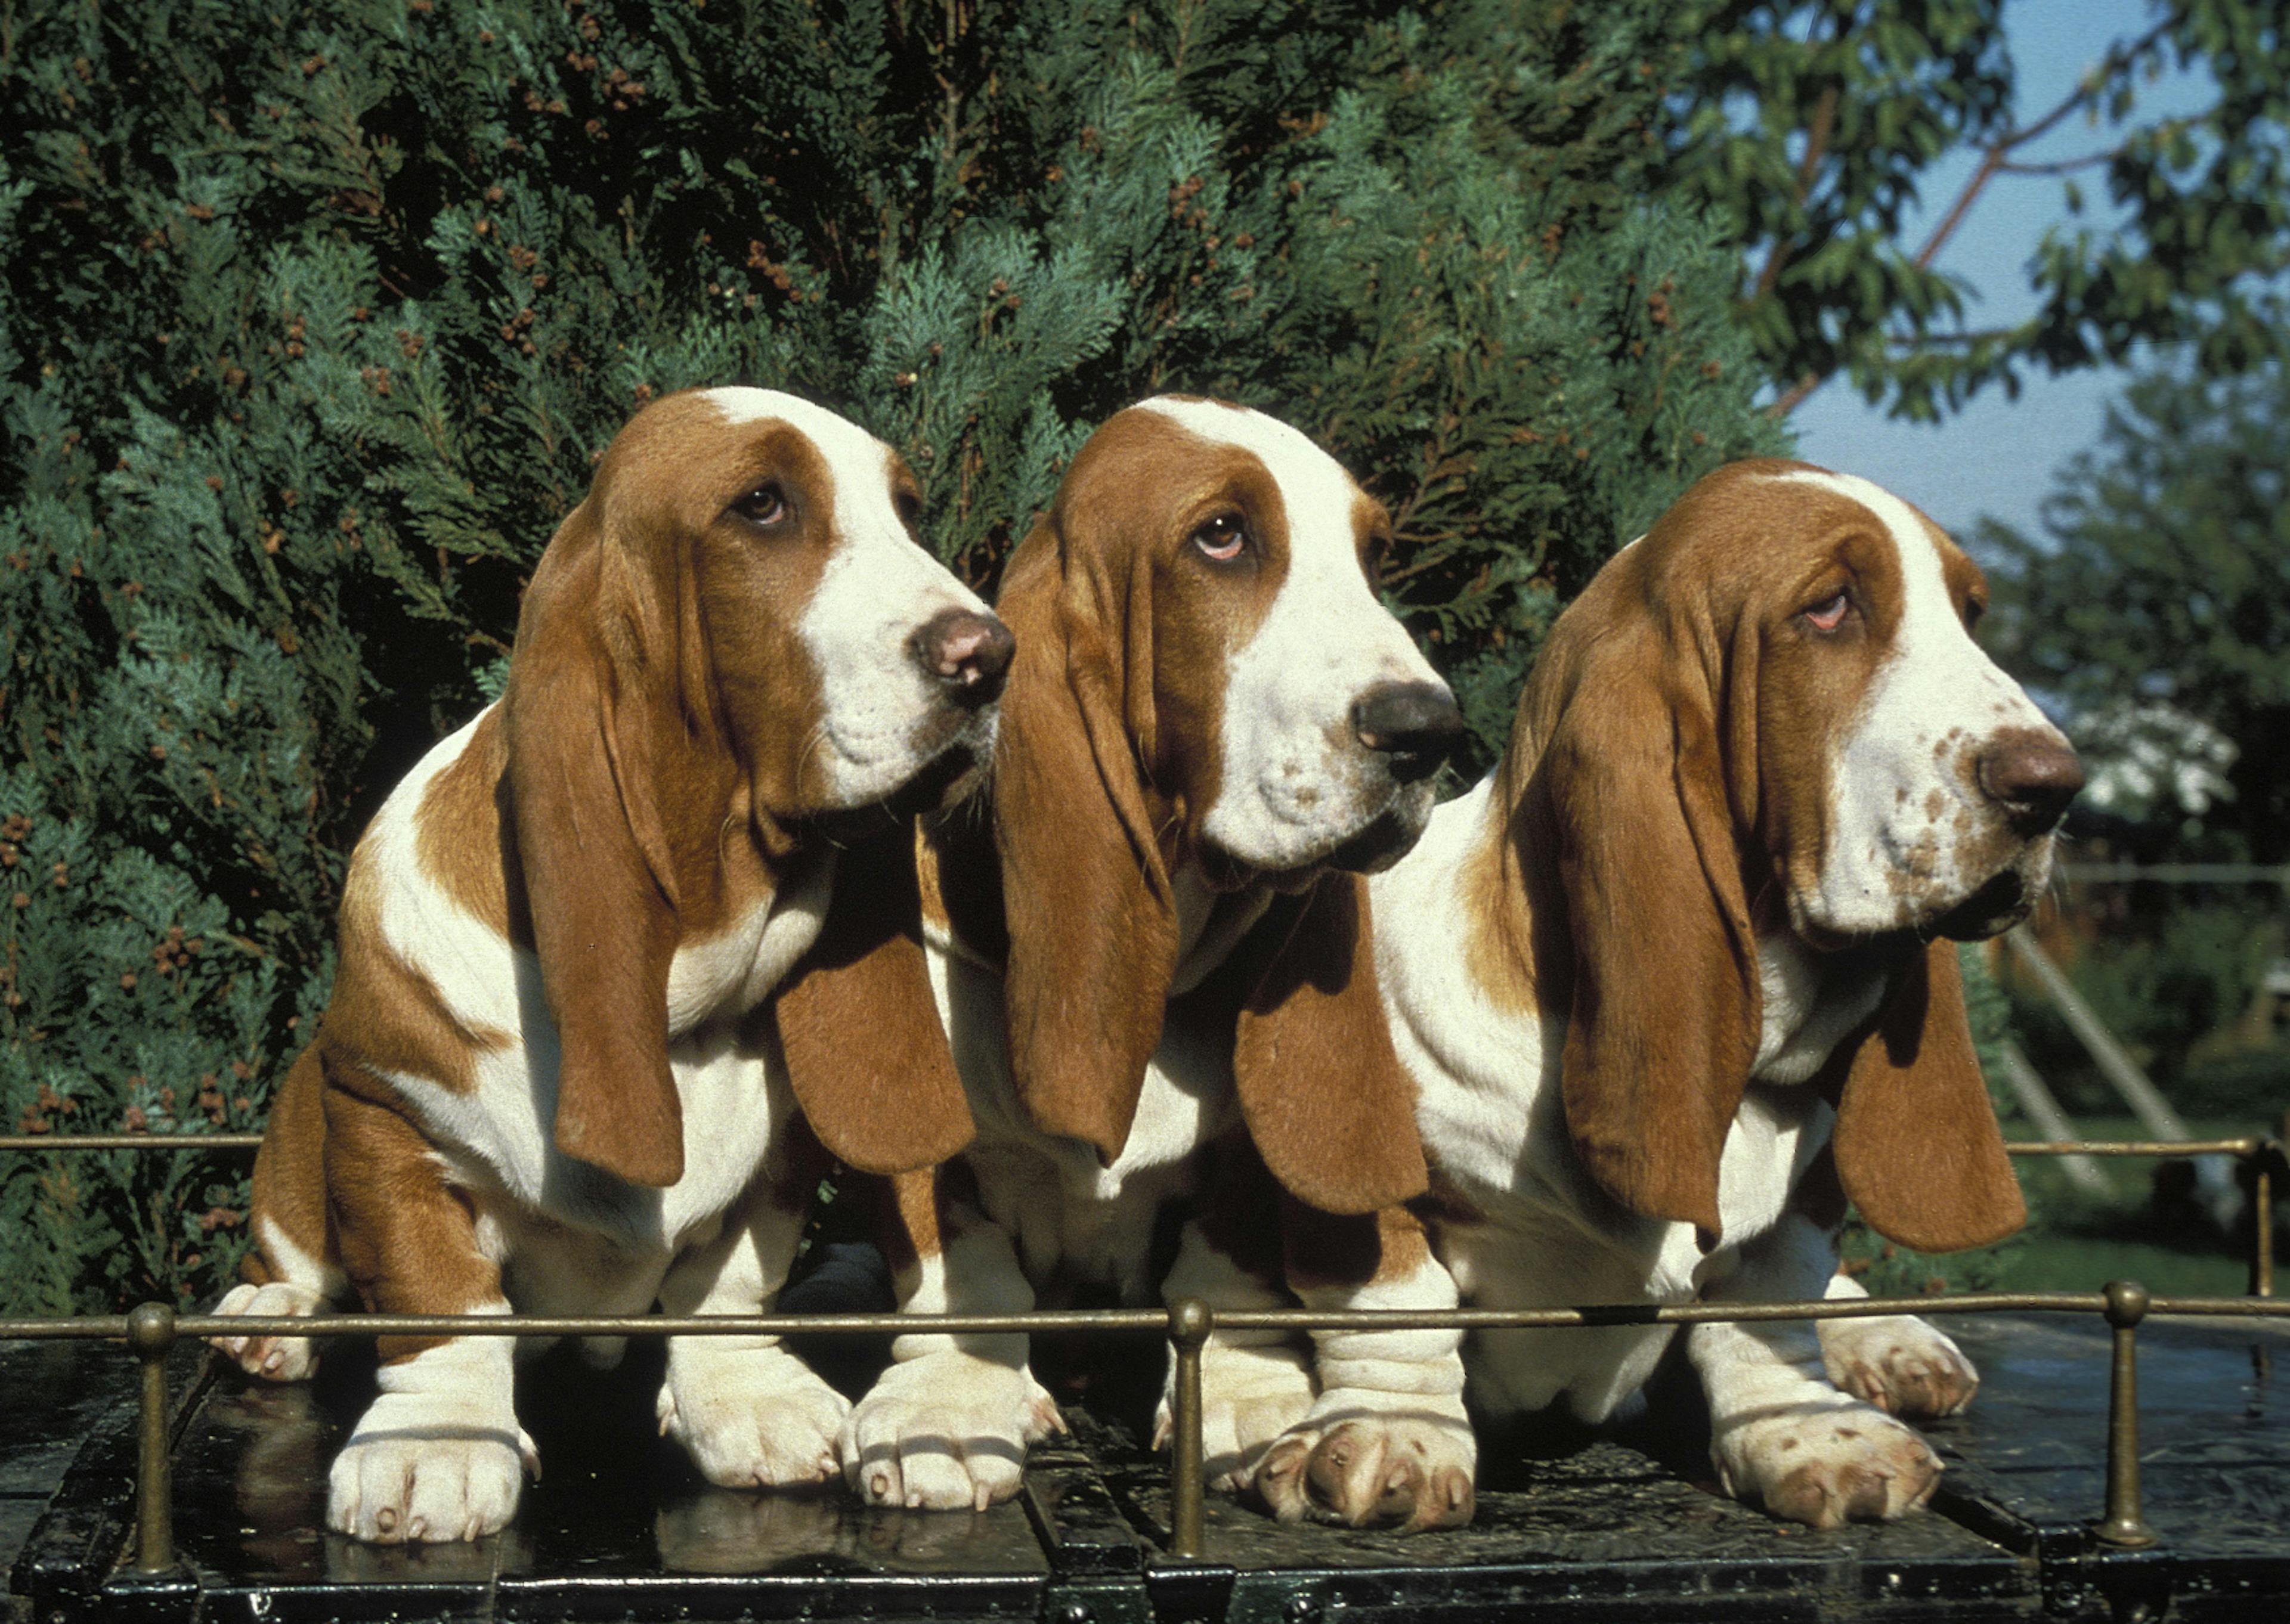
pixel 1297 783
pixel 878 589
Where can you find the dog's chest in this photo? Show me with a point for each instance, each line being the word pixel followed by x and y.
pixel 498 1131
pixel 1073 1218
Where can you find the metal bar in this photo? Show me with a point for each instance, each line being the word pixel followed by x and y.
pixel 1130 1320
pixel 2182 873
pixel 130 1142
pixel 2262 1218
pixel 2123 1524
pixel 1189 1325
pixel 2248 1145
pixel 2041 1107
pixel 151 1334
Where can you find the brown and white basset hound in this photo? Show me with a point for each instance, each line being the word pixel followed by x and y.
pixel 1680 977
pixel 547 1080
pixel 1149 942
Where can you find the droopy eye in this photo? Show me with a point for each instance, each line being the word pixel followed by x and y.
pixel 910 508
pixel 1972 610
pixel 767 504
pixel 1829 615
pixel 1223 538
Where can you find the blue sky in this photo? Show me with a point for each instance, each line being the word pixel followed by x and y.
pixel 1997 455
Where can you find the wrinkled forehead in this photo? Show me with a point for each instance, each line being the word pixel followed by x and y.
pixel 1322 501
pixel 685 457
pixel 1752 529
pixel 1929 561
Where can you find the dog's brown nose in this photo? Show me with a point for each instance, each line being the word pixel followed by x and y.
pixel 1415 724
pixel 966 651
pixel 2031 775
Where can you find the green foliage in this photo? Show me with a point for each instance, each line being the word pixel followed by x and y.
pixel 2177 602
pixel 2176 986
pixel 315 317
pixel 1812 125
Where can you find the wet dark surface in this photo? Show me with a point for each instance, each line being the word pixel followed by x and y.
pixel 1594 1527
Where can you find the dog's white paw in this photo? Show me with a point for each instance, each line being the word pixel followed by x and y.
pixel 751 1417
pixel 427 1467
pixel 1899 1364
pixel 945 1431
pixel 1826 1463
pixel 1249 1397
pixel 1364 1457
pixel 273 1358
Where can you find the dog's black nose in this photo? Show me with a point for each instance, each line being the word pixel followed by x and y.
pixel 1415 724
pixel 966 651
pixel 2031 775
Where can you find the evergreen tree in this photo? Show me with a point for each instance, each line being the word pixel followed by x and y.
pixel 315 317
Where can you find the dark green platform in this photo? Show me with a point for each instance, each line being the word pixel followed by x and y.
pixel 1604 1528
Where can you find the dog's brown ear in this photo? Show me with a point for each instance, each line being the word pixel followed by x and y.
pixel 591 690
pixel 866 1050
pixel 1918 1148
pixel 1631 793
pixel 1331 1108
pixel 1092 926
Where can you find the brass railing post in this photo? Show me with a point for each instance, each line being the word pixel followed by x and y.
pixel 2262 1216
pixel 2123 1525
pixel 1189 1325
pixel 152 1336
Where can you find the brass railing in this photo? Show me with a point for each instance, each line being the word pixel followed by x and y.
pixel 152 1329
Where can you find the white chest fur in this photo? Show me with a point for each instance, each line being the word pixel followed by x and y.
pixel 498 1134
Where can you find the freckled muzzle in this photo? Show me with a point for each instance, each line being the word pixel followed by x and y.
pixel 2026 778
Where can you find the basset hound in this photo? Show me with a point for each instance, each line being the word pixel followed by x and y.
pixel 1680 978
pixel 1149 941
pixel 547 1080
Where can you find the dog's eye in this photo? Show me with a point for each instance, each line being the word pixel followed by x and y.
pixel 767 504
pixel 910 507
pixel 1972 610
pixel 1223 538
pixel 1829 615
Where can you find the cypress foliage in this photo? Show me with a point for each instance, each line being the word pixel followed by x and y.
pixel 317 315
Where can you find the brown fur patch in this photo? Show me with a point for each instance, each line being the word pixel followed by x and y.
pixel 408 1238
pixel 1328 1103
pixel 290 1182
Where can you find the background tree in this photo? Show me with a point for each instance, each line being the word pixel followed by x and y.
pixel 1814 126
pixel 2162 591
pixel 316 315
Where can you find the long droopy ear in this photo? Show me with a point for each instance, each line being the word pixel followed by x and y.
pixel 866 1050
pixel 590 689
pixel 1918 1148
pixel 1632 791
pixel 1331 1108
pixel 1092 926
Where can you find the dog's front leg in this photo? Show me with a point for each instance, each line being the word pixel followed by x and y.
pixel 438 1455
pixel 750 1413
pixel 1782 1435
pixel 1254 1384
pixel 1387 1440
pixel 947 1425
